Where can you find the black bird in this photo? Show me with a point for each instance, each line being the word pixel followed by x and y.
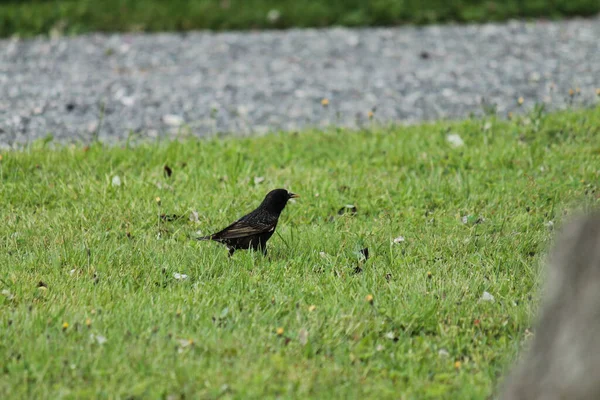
pixel 254 229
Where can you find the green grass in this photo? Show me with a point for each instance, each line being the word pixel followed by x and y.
pixel 106 257
pixel 31 17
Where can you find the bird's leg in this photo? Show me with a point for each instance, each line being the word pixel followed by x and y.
pixel 231 251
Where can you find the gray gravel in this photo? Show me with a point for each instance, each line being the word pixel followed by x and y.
pixel 203 83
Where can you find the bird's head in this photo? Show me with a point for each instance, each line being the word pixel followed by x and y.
pixel 276 200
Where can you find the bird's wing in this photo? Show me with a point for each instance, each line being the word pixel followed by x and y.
pixel 243 228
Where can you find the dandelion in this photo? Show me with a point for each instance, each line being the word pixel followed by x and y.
pixel 457 365
pixel 597 94
pixel 370 114
pixel 157 200
pixel 429 275
pixel 369 298
pixel 325 102
pixel 312 308
pixel 279 331
pixel 571 92
pixel 520 100
pixel 88 322
pixel 65 326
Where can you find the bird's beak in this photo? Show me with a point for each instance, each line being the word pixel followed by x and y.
pixel 294 195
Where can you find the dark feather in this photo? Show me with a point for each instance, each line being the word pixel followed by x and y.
pixel 256 228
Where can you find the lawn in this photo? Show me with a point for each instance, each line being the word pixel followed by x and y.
pixel 103 293
pixel 31 17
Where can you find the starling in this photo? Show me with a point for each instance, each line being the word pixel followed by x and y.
pixel 254 229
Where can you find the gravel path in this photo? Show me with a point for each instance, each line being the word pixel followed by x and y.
pixel 253 82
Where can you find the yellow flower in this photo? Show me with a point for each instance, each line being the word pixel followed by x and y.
pixel 157 200
pixel 65 325
pixel 88 322
pixel 325 102
pixel 520 100
pixel 571 92
pixel 312 308
pixel 279 331
pixel 369 298
pixel 429 274
pixel 597 93
pixel 457 365
pixel 370 114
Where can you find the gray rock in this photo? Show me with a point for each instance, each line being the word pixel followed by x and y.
pixel 564 359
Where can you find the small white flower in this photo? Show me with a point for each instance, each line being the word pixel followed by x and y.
pixel 455 140
pixel 116 181
pixel 194 216
pixel 98 338
pixel 179 276
pixel 443 353
pixel 487 297
pixel 399 239
pixel 390 335
pixel 273 16
pixel 259 179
